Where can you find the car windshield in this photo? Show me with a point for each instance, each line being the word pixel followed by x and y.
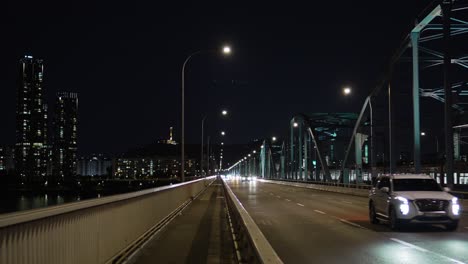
pixel 415 185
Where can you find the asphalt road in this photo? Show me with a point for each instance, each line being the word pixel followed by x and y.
pixel 200 234
pixel 308 226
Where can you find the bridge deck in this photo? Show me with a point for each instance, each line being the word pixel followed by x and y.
pixel 199 235
pixel 309 226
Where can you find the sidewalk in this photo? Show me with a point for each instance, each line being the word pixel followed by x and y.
pixel 199 235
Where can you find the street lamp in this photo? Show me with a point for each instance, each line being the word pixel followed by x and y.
pixel 223 133
pixel 273 139
pixel 423 133
pixel 224 113
pixel 295 124
pixel 347 91
pixel 226 50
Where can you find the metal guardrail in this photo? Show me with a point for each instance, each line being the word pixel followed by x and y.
pixel 364 192
pixel 91 231
pixel 347 188
pixel 346 185
pixel 251 244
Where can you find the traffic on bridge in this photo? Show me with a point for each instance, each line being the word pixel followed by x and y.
pixel 315 132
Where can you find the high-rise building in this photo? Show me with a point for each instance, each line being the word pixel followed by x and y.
pixel 31 122
pixel 65 136
pixel 94 165
pixel 6 159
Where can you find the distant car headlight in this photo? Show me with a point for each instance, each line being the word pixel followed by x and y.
pixel 404 206
pixel 455 206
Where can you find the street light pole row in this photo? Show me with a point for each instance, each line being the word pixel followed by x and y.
pixel 225 50
pixel 224 113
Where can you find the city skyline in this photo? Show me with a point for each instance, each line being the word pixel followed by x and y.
pixel 126 67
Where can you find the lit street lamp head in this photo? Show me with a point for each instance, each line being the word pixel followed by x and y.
pixel 347 90
pixel 223 133
pixel 295 124
pixel 273 139
pixel 423 133
pixel 224 112
pixel 226 50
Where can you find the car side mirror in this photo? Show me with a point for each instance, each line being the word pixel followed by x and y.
pixel 385 189
pixel 447 189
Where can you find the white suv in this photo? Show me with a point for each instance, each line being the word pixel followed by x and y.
pixel 412 199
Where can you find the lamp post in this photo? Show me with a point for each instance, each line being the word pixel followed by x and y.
pixel 226 50
pixel 202 137
pixel 224 113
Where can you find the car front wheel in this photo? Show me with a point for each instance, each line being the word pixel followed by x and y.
pixel 452 226
pixel 395 223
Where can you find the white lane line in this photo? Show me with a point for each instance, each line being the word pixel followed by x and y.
pixel 466 227
pixel 300 204
pixel 351 223
pixel 278 196
pixel 287 200
pixel 320 212
pixel 271 193
pixel 409 245
pixel 348 202
pixel 425 250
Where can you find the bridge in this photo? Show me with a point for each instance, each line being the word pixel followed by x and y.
pixel 297 199
pixel 224 220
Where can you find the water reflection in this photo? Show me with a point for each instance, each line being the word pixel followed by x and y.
pixel 18 202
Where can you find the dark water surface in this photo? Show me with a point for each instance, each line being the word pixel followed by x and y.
pixel 12 202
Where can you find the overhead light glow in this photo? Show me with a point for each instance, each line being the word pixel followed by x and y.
pixel 227 50
pixel 347 90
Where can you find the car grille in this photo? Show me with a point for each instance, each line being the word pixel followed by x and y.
pixel 432 218
pixel 427 205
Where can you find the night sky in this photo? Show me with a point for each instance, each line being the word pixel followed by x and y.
pixel 124 60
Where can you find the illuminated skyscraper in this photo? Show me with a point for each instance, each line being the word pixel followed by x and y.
pixel 65 136
pixel 31 122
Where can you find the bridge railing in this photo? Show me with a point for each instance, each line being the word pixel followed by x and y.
pixel 337 184
pixel 348 188
pixel 251 245
pixel 91 231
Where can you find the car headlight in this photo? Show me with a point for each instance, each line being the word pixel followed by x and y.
pixel 455 206
pixel 404 206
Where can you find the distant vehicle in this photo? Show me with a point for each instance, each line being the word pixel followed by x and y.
pixel 412 199
pixel 248 178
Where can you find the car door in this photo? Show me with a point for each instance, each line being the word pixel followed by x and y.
pixel 381 197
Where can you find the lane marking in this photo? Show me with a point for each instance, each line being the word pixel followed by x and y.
pixel 425 250
pixel 409 245
pixel 288 200
pixel 346 202
pixel 320 212
pixel 271 193
pixel 351 223
pixel 466 227
pixel 300 204
pixel 278 196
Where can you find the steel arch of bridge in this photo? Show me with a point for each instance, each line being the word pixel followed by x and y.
pixel 306 154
